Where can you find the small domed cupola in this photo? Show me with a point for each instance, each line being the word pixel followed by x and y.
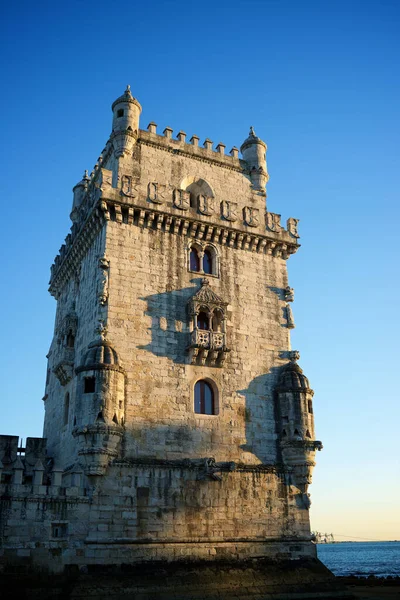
pixel 100 355
pixel 126 98
pixel 254 152
pixel 252 139
pixel 292 379
pixel 79 191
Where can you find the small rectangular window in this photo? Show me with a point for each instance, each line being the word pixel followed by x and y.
pixel 59 530
pixel 90 385
pixel 120 113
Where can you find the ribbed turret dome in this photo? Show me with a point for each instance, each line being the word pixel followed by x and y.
pixel 252 139
pixel 292 378
pixel 126 97
pixel 100 355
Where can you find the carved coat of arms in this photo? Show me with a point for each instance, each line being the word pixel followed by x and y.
pixel 229 210
pixel 181 199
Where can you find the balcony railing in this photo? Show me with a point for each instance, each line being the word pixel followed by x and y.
pixel 212 340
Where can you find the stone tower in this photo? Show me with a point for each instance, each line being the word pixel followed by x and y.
pixel 176 415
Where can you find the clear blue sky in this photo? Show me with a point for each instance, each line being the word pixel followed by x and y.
pixel 319 81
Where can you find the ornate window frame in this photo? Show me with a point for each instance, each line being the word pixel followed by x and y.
pixel 200 249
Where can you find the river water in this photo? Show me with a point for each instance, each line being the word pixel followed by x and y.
pixel 361 558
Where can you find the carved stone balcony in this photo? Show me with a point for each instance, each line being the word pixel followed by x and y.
pixel 64 369
pixel 207 347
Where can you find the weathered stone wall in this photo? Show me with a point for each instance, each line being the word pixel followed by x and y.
pixel 80 297
pixel 150 286
pixel 142 513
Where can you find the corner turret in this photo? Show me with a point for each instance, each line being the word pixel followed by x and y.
pixel 79 191
pixel 100 406
pixel 254 152
pixel 125 126
pixel 296 425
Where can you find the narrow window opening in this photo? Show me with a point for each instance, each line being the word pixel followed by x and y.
pixel 120 404
pixel 308 434
pixel 296 432
pixel 66 409
pixel 120 113
pixel 90 385
pixel 193 200
pixel 194 260
pixel 309 405
pixel 59 530
pixel 203 321
pixel 204 401
pixel 70 339
pixel 284 434
pixel 74 421
pixel 115 419
pixel 207 262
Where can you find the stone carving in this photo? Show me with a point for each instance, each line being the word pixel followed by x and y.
pixel 289 316
pixel 127 188
pixel 154 193
pixel 104 265
pixel 289 294
pixel 292 227
pixel 181 199
pixel 229 210
pixel 293 355
pixel 273 221
pixel 251 216
pixel 205 204
pixel 101 329
pixel 208 468
pixel 208 345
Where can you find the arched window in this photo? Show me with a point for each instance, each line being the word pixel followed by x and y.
pixel 194 260
pixel 207 262
pixel 203 321
pixel 66 409
pixel 204 401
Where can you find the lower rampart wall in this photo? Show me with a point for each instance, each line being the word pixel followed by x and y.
pixel 140 513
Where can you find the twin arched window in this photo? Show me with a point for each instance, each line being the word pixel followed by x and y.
pixel 203 261
pixel 204 398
